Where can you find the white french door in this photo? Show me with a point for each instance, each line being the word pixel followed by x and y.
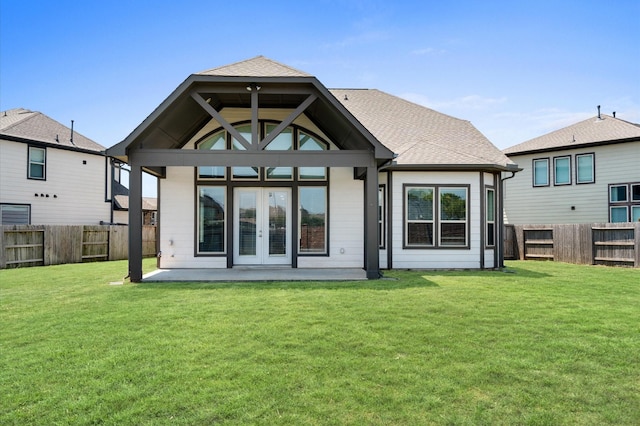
pixel 262 226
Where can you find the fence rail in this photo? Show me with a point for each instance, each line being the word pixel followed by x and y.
pixel 612 244
pixel 37 245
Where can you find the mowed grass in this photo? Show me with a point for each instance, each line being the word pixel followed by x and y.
pixel 541 343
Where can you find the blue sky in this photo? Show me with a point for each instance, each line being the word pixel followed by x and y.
pixel 515 69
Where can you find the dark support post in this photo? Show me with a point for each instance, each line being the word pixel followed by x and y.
pixel 372 257
pixel 135 223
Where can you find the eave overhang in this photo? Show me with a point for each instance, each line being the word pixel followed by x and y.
pixel 574 146
pixel 490 168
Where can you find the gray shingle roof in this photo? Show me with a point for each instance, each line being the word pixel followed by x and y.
pixel 35 126
pixel 419 135
pixel 256 67
pixel 592 131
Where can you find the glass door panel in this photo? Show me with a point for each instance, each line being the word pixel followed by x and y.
pixel 247 241
pixel 262 226
pixel 278 202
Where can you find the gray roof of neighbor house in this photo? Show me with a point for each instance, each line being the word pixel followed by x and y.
pixel 23 125
pixel 419 135
pixel 592 131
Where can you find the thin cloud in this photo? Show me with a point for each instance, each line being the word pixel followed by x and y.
pixel 475 102
pixel 428 51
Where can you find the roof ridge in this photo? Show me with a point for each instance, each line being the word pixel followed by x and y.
pixel 29 116
pixel 255 58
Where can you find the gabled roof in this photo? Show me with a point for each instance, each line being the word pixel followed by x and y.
pixel 592 131
pixel 255 67
pixel 419 135
pixel 32 126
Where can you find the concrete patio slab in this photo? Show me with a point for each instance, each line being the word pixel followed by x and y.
pixel 254 274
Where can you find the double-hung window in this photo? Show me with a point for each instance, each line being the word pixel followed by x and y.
pixel 436 216
pixel 541 172
pixel 585 168
pixel 562 170
pixel 37 163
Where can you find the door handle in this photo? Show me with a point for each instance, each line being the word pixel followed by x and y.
pixel 260 233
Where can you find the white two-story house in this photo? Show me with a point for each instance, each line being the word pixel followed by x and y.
pixel 49 174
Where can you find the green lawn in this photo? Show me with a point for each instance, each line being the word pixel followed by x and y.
pixel 543 344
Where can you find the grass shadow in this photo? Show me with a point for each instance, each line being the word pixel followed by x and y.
pixel 385 284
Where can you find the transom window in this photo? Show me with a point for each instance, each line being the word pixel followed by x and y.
pixel 436 216
pixel 37 163
pixel 291 138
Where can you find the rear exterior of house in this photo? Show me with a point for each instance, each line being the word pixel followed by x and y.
pixel 260 165
pixel 588 172
pixel 50 175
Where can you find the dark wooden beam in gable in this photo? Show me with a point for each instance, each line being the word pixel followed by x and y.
pixel 220 119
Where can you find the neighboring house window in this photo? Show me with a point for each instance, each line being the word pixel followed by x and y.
pixel 15 214
pixel 211 219
pixel 381 216
pixel 491 217
pixel 37 163
pixel 562 171
pixel 436 216
pixel 313 219
pixel 585 168
pixel 541 172
pixel 624 202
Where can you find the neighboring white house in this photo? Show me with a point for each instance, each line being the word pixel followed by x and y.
pixel 260 164
pixel 49 174
pixel 588 172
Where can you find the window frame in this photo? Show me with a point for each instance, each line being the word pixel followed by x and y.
pixel 488 222
pixel 28 207
pixel 382 214
pixel 593 168
pixel 555 170
pixel 533 172
pixel 326 251
pixel 198 251
pixel 630 203
pixel 43 163
pixel 436 221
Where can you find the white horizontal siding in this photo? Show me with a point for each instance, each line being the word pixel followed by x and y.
pixel 76 191
pixel 525 204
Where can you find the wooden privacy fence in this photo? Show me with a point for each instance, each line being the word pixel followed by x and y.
pixel 612 244
pixel 37 245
